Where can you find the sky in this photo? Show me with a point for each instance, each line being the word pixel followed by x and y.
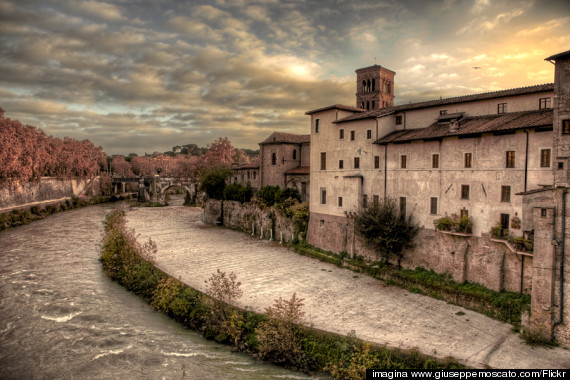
pixel 138 76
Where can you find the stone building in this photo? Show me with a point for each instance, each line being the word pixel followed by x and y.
pixel 501 158
pixel 283 161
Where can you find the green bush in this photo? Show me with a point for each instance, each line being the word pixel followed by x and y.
pixel 384 230
pixel 213 182
pixel 237 192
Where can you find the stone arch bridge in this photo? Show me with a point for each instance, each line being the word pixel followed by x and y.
pixel 153 189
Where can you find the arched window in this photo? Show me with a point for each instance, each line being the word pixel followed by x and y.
pixel 367 105
pixel 373 104
pixel 362 105
pixel 273 159
pixel 368 85
pixel 363 86
pixel 373 84
pixel 294 154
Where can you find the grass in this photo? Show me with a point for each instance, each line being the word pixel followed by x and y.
pixel 131 264
pixel 504 306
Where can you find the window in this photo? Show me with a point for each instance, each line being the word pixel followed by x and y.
pixel 566 126
pixel 352 135
pixel 505 223
pixel 254 175
pixel 322 223
pixel 502 108
pixel 544 103
pixel 341 134
pixel 317 126
pixel 369 134
pixel 510 159
pixel 323 160
pixel 443 112
pixel 435 161
pixel 403 207
pixel 464 191
pixel 364 200
pixel 560 165
pixel 373 104
pixel 543 212
pixel 339 201
pixel 357 162
pixel 323 195
pixel 294 154
pixel 273 159
pixel 376 162
pixel 340 164
pixel 248 175
pixel 463 213
pixel 403 161
pixel 398 120
pixel 468 160
pixel 433 206
pixel 545 158
pixel 505 193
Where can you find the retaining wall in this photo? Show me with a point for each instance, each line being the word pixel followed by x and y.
pixel 21 193
pixel 266 223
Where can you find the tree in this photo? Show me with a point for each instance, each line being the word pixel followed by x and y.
pixel 225 290
pixel 213 182
pixel 120 166
pixel 384 230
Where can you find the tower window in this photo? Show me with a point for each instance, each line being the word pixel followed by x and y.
pixel 357 162
pixel 435 161
pixel 323 195
pixel 273 159
pixel 294 154
pixel 403 162
pixel 566 126
pixel 341 164
pixel 373 84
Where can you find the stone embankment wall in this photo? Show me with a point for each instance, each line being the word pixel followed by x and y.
pixel 265 223
pixel 474 259
pixel 21 193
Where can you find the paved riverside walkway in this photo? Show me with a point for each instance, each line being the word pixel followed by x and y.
pixel 336 299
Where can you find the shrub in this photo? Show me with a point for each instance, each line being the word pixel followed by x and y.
pixel 213 182
pixel 463 224
pixel 277 336
pixel 267 195
pixel 237 192
pixel 384 230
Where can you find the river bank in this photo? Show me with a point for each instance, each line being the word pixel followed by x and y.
pixel 336 300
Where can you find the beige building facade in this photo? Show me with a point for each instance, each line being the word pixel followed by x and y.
pixel 501 158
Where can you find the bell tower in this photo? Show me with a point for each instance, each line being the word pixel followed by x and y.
pixel 374 87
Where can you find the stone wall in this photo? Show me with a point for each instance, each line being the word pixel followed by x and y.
pixel 475 259
pixel 20 193
pixel 265 223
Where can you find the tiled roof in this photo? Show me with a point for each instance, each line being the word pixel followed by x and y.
pixel 335 106
pixel 442 102
pixel 299 170
pixel 474 126
pixel 281 138
pixel 251 165
pixel 558 56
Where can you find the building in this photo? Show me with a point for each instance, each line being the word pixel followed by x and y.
pixel 501 158
pixel 283 161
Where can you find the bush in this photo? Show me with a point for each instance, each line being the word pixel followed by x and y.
pixel 385 230
pixel 237 192
pixel 213 182
pixel 463 224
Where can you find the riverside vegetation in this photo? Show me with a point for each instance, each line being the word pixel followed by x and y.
pixel 276 336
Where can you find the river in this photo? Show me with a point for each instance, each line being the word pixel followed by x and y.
pixel 62 318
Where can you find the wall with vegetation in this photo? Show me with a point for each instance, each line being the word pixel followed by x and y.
pixel 17 193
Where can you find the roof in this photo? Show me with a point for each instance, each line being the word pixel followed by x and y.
pixel 286 138
pixel 251 165
pixel 299 170
pixel 374 67
pixel 443 102
pixel 469 126
pixel 554 57
pixel 335 106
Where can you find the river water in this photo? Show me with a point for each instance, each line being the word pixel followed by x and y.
pixel 62 318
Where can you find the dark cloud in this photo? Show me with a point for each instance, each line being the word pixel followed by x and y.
pixel 136 76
